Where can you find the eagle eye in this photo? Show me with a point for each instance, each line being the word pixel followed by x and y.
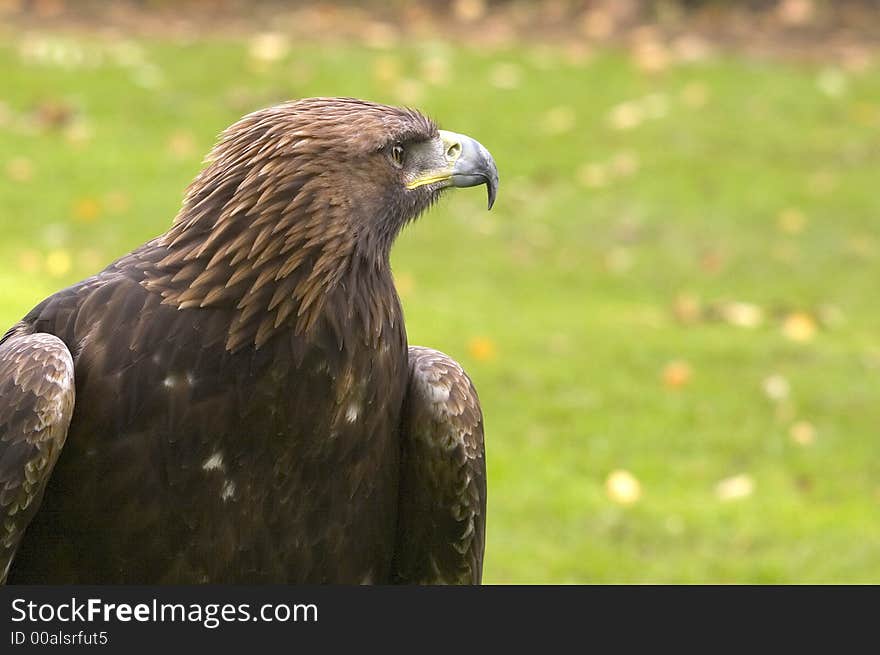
pixel 397 154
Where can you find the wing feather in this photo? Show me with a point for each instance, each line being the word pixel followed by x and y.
pixel 36 404
pixel 442 518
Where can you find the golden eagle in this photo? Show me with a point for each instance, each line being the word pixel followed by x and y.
pixel 235 401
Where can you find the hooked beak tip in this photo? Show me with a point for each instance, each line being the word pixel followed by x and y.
pixel 473 166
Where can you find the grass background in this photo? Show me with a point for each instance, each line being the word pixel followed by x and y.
pixel 633 209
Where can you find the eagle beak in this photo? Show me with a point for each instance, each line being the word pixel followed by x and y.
pixel 471 164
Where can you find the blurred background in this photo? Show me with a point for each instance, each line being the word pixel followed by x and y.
pixel 672 313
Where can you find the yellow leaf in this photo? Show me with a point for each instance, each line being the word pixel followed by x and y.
pixel 482 349
pixel 791 221
pixel 58 263
pixel 695 95
pixel 559 120
pixel 593 175
pixel 409 91
pixel 799 327
pixel 677 374
pixel 742 314
pixel 802 433
pixel 20 169
pixel 386 69
pixel 505 76
pixel 30 261
pixel 618 260
pixel 86 210
pixel 269 47
pixel 436 70
pixel 651 56
pixel 625 163
pixel 626 116
pixel 735 488
pixel 776 387
pixel 687 308
pixel 181 144
pixel 623 487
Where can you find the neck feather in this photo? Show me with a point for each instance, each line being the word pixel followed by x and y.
pixel 279 256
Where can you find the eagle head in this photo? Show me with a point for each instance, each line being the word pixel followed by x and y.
pixel 369 167
pixel 297 198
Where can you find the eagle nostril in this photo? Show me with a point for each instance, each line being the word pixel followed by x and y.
pixel 453 151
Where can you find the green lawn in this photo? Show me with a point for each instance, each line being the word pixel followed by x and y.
pixel 633 209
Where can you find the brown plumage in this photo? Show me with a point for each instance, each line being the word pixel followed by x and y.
pixel 241 400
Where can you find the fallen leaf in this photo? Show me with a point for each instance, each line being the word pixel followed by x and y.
pixel 79 132
pixel 436 70
pixel 822 183
pixel 626 116
pixel 559 120
pixel 505 76
pixel 6 114
pixel 593 175
pixel 386 69
pixel 20 169
pixel 268 47
pixel 482 349
pixel 799 327
pixel 651 56
pixel 58 263
pixel 409 91
pixel 622 487
pixel 832 82
pixel 830 315
pixel 695 95
pixel 181 144
pixel 784 412
pixel 712 261
pixel 742 314
pixel 30 262
pixel 560 343
pixel 735 488
pixel 862 245
pixel 625 163
pixel 677 374
pixel 802 433
pixel 618 260
pixel 687 308
pixel 791 221
pixel 86 210
pixel 54 114
pixel 776 387
pixel 55 235
pixel 655 105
